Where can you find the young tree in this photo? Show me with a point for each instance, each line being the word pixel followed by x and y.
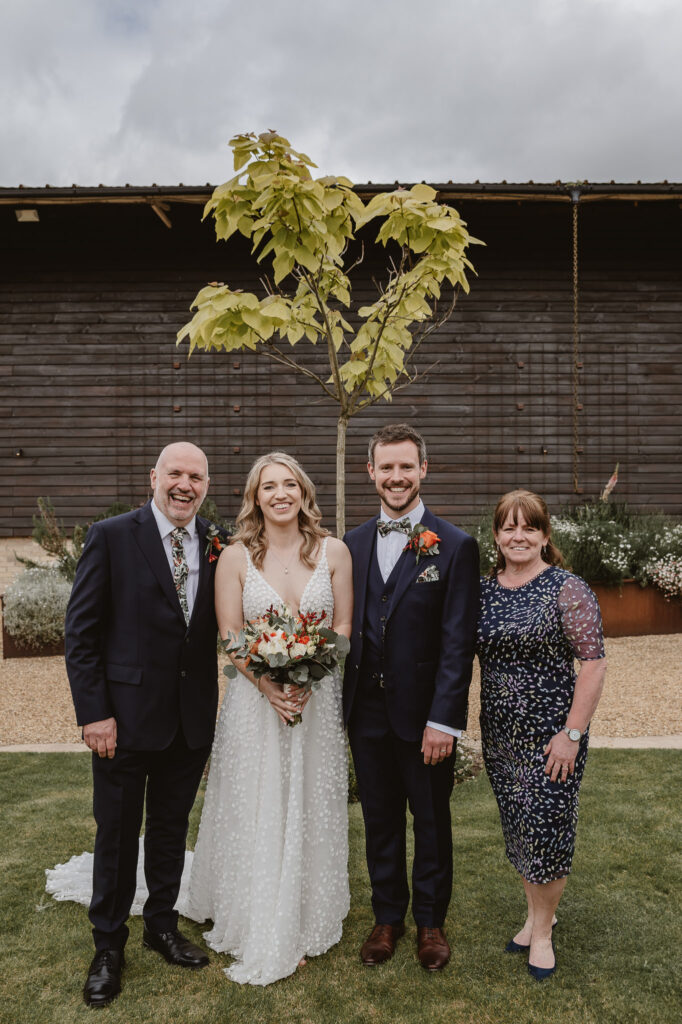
pixel 305 226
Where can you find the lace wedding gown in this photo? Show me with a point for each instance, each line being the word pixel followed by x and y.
pixel 270 865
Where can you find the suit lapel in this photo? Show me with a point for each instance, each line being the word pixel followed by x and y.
pixel 362 560
pixel 149 541
pixel 204 565
pixel 408 567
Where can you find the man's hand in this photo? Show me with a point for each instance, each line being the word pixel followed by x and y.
pixel 101 737
pixel 436 745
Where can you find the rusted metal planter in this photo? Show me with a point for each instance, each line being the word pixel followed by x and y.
pixel 630 610
pixel 11 649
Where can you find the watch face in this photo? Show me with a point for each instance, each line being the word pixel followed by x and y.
pixel 574 734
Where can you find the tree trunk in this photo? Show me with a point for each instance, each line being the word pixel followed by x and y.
pixel 341 428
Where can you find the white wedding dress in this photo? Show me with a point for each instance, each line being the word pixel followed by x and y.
pixel 270 869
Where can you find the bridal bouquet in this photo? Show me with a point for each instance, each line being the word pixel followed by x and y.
pixel 294 650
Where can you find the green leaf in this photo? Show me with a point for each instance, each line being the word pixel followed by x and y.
pixel 423 193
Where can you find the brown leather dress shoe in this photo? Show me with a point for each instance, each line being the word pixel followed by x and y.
pixel 380 945
pixel 433 948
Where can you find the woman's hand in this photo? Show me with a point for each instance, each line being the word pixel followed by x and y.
pixel 287 705
pixel 561 753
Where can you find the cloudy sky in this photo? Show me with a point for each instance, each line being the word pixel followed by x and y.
pixel 150 91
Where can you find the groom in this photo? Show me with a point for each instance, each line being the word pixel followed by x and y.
pixel 141 659
pixel 405 691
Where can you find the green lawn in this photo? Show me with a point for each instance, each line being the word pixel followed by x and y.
pixel 618 937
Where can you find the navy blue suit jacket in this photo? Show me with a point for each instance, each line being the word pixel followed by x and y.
pixel 430 630
pixel 129 653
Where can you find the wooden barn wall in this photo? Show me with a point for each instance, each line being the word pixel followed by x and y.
pixel 91 298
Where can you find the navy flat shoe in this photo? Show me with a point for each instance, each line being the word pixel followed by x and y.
pixel 515 947
pixel 542 973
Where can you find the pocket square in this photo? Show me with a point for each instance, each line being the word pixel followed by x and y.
pixel 429 575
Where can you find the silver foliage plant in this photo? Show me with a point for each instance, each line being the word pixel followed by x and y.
pixel 35 606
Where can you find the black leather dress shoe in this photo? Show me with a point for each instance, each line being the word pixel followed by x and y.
pixel 104 977
pixel 175 948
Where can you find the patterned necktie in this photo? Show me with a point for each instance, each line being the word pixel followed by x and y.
pixel 180 568
pixel 398 525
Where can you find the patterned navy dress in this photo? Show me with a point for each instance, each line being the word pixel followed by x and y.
pixel 528 637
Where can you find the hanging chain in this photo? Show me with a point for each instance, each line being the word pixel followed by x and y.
pixel 576 350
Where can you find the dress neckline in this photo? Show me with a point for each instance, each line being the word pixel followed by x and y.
pixel 520 586
pixel 321 559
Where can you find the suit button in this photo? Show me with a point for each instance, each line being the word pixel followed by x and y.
pixel 357 667
pixel 385 597
pixel 183 673
pixel 186 639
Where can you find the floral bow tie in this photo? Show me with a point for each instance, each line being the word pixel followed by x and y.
pixel 394 525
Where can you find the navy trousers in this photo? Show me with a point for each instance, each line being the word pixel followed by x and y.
pixel 391 776
pixel 169 780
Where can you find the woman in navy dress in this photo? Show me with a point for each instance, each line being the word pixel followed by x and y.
pixel 536 618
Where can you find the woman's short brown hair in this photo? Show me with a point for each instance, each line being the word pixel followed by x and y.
pixel 534 510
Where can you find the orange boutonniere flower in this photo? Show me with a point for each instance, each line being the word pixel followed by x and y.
pixel 214 543
pixel 422 541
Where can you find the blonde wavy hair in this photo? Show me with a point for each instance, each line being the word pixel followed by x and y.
pixel 251 524
pixel 534 510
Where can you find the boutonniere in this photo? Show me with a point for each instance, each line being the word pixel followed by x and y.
pixel 214 542
pixel 422 541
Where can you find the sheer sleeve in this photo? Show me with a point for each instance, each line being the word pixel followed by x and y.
pixel 581 619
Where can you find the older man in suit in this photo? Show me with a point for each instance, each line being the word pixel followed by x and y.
pixel 405 691
pixel 141 659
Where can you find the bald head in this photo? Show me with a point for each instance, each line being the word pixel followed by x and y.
pixel 179 449
pixel 180 481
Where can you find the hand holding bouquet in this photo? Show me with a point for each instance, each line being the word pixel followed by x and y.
pixel 293 650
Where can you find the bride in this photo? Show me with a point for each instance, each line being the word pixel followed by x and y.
pixel 270 865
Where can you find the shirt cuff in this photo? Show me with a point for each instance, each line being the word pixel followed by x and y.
pixel 446 728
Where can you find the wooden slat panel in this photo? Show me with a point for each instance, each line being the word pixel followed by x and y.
pixel 92 297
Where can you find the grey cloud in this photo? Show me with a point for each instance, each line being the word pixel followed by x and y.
pixel 486 89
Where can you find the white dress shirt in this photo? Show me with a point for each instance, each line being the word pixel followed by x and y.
pixel 389 550
pixel 191 546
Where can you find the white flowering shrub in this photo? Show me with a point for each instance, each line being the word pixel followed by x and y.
pixel 606 543
pixel 482 531
pixel 35 606
pixel 666 574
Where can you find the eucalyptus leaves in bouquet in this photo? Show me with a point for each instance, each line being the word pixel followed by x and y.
pixel 294 650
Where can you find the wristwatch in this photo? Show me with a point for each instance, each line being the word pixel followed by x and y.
pixel 573 734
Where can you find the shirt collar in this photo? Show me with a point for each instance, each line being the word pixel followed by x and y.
pixel 166 527
pixel 414 516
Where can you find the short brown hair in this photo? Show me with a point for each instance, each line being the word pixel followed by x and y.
pixel 394 433
pixel 534 510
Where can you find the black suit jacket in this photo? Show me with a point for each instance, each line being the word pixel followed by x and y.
pixel 430 630
pixel 129 653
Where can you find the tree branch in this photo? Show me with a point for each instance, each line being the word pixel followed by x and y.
pixel 392 388
pixel 362 382
pixel 271 350
pixel 313 284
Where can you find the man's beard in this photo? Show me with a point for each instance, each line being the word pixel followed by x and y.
pixel 389 499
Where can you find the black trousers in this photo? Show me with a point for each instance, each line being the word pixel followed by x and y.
pixel 391 776
pixel 169 780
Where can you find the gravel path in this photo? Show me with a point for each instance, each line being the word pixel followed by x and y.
pixel 642 696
